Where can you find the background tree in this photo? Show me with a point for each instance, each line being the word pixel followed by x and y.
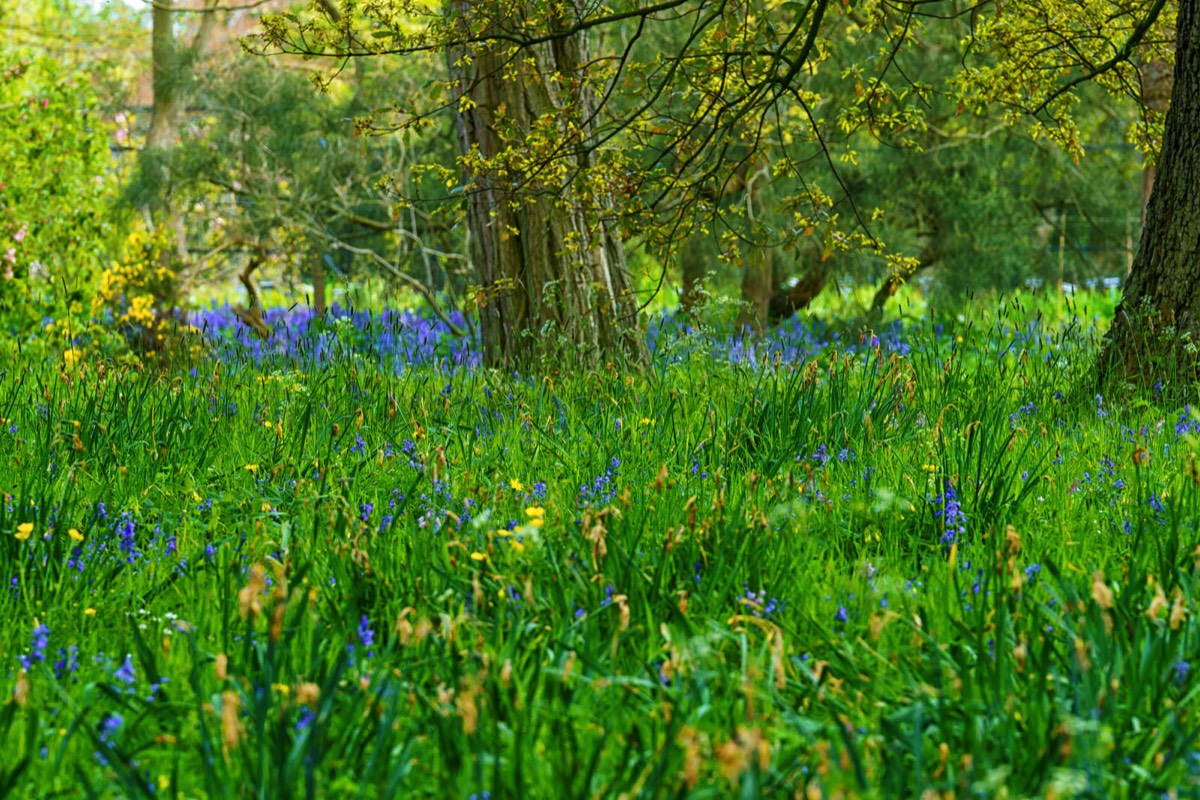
pixel 56 190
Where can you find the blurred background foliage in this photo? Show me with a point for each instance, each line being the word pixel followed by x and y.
pixel 297 170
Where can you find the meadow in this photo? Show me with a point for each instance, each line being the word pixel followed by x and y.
pixel 929 561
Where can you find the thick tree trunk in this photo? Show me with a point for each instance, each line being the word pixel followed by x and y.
pixel 171 65
pixel 1156 82
pixel 1158 320
pixel 758 287
pixel 547 252
pixel 784 303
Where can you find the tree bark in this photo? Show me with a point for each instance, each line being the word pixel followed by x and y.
pixel 694 261
pixel 758 287
pixel 171 65
pixel 786 302
pixel 552 280
pixel 1156 85
pixel 1157 326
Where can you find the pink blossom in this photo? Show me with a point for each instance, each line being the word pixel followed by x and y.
pixel 20 235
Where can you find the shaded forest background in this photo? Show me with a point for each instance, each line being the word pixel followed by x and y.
pixel 159 157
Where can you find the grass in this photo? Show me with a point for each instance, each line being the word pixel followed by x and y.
pixel 942 565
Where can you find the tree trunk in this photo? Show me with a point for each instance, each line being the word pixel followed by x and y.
pixel 694 258
pixel 171 66
pixel 1158 320
pixel 1156 80
pixel 786 302
pixel 758 287
pixel 550 268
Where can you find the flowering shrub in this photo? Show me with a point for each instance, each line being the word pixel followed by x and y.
pixel 55 225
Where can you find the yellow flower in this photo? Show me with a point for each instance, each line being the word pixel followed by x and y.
pixel 76 535
pixel 520 548
pixel 535 511
pixel 516 485
pixel 24 531
pixel 252 468
pixel 478 556
pixel 91 612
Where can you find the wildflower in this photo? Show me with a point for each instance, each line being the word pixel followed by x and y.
pixel 24 531
pixel 1181 672
pixel 1100 592
pixel 306 718
pixel 516 485
pixel 125 673
pixel 74 534
pixel 952 516
pixel 251 468
pixel 41 638
pixel 477 556
pixel 539 490
pixel 366 636
pixel 231 727
pixel 841 615
pixel 109 725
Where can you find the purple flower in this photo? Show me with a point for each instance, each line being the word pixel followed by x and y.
pixel 125 673
pixel 366 636
pixel 37 650
pixel 68 662
pixel 841 615
pixel 305 721
pixel 1181 672
pixel 952 516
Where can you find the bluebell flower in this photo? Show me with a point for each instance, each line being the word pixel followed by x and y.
pixel 126 673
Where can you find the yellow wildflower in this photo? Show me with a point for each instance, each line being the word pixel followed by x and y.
pixel 252 468
pixel 477 556
pixel 74 534
pixel 516 485
pixel 24 531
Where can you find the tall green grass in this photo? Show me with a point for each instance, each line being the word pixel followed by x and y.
pixel 746 580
